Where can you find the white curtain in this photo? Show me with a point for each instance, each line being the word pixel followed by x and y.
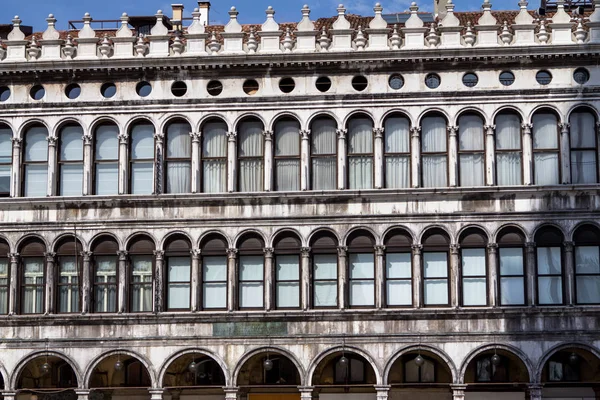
pixel 360 153
pixel 362 279
pixel 251 281
pixel 105 275
pixel 549 263
pixel 214 158
pixel 141 276
pixel 250 142
pixel 325 280
pixel 512 281
pixel 471 139
pixel 287 274
pixel 33 278
pixel 5 159
pixel 324 145
pixel 508 147
pixel 36 150
pixel 179 282
pixel 583 147
pixel 435 267
pixel 434 140
pixel 4 284
pixel 545 137
pixel 179 148
pixel 587 261
pixel 397 140
pixel 398 268
pixel 474 277
pixel 142 157
pixel 71 150
pixel 214 281
pixel 107 158
pixel 68 295
pixel 287 155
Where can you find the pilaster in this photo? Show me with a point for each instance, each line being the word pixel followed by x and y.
pixel 123 164
pixel 196 151
pixel 417 274
pixel 13 301
pixel 195 271
pixel 304 159
pixel 305 277
pixel 534 392
pixel 454 276
pixel 86 285
pixel 231 278
pixel 382 391
pixel 530 282
pixel 159 157
pixel 458 392
pixel 87 164
pixel 122 298
pixel 15 179
pixel 492 255
pixel 570 294
pixel 379 277
pixel 159 283
pixel 49 300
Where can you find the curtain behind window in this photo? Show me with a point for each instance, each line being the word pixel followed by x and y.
pixel 69 288
pixel 33 278
pixel 287 274
pixel 214 278
pixel 142 157
pixel 471 139
pixel 397 140
pixel 250 142
pixel 433 140
pixel 545 137
pixel 251 281
pixel 107 153
pixel 36 150
pixel 549 263
pixel 106 283
pixel 435 267
pixel 587 261
pixel 5 159
pixel 360 153
pixel 214 158
pixel 179 282
pixel 583 136
pixel 179 149
pixel 398 275
pixel 512 281
pixel 362 279
pixel 324 145
pixel 325 280
pixel 141 275
pixel 508 147
pixel 71 149
pixel 287 155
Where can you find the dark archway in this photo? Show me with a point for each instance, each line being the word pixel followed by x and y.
pixel 119 374
pixel 194 374
pixel 47 377
pixel 346 372
pixel 497 370
pixel 572 372
pixel 269 372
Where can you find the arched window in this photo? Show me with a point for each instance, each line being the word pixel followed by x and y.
pixel 287 271
pixel 71 161
pixel 4 276
pixel 587 264
pixel 508 149
pixel 141 159
pixel 106 159
pixel 549 243
pixel 397 152
pixel 251 272
pixel 250 155
pixel 434 151
pixel 473 260
pixel 214 273
pixel 361 265
pixel 141 264
pixel 5 160
pixel 105 276
pixel 324 270
pixel 584 164
pixel 179 273
pixel 214 157
pixel 360 153
pixel 511 267
pixel 398 269
pixel 32 277
pixel 545 149
pixel 68 265
pixel 287 155
pixel 436 245
pixel 471 150
pixel 179 158
pixel 323 154
pixel 36 162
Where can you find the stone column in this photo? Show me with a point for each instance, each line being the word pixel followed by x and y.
pixel 231 393
pixel 570 294
pixel 378 162
pixel 305 160
pixel 15 179
pixel 527 155
pixel 379 277
pixel 195 281
pixel 86 286
pixel 9 395
pixel 306 392
pixel 417 275
pixel 490 155
pixel 196 187
pixel 231 279
pixel 565 153
pixel 453 156
pixel 159 164
pixel 305 277
pixel 458 392
pixel 123 163
pixel 455 300
pixel 493 274
pixel 231 161
pixel 342 159
pixel 415 156
pixel 87 164
pixel 268 184
pixel 382 392
pixel 530 283
pixel 159 284
pixel 269 278
pixel 123 275
pixel 51 191
pixel 50 269
pixel 156 394
pixel 82 394
pixel 534 392
pixel 13 301
pixel 342 276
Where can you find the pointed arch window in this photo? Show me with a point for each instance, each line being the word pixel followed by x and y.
pixel 214 273
pixel 473 260
pixel 214 157
pixel 397 152
pixel 549 244
pixel 250 155
pixel 511 267
pixel 68 264
pixel 287 272
pixel 35 180
pixel 471 150
pixel 587 264
pixel 71 161
pixel 141 264
pixel 323 154
pixel 287 155
pixel 106 159
pixel 32 277
pixel 360 153
pixel 141 159
pixel 361 265
pixel 584 153
pixel 251 273
pixel 105 275
pixel 324 271
pixel 5 160
pixel 179 158
pixel 398 270
pixel 434 151
pixel 545 149
pixel 508 149
pixel 179 274
pixel 436 245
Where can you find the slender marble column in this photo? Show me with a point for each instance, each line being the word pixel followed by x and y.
pixel 50 268
pixel 87 164
pixel 378 153
pixel 454 275
pixel 565 153
pixel 195 289
pixel 231 393
pixel 268 185
pixel 86 286
pixel 379 277
pixel 415 156
pixel 159 173
pixel 15 183
pixel 458 392
pixel 493 273
pixel 530 273
pixel 14 278
pixel 453 156
pixel 527 155
pixel 570 295
pixel 159 284
pixel 196 136
pixel 305 277
pixel 382 392
pixel 269 301
pixel 122 280
pixel 490 155
pixel 123 163
pixel 231 278
pixel 342 158
pixel 51 190
pixel 534 392
pixel 342 276
pixel 231 161
pixel 156 394
pixel 417 251
pixel 306 392
pixel 305 160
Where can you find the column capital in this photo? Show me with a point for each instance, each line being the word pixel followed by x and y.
pixel 159 254
pixel 569 246
pixel 87 139
pixel 51 140
pixel 305 251
pixel 341 133
pixel 159 137
pixel 415 131
pixel 342 251
pixel 378 132
pixel 452 130
pixel 14 257
pixel 379 250
pixel 231 136
pixel 86 255
pixel 530 246
pixel 123 138
pixel 305 134
pixel 458 388
pixel 232 252
pixel 196 136
pixel 564 127
pixel 122 255
pixel 416 249
pixel 268 135
pixel 269 251
pixel 489 129
pixel 306 389
pixel 526 128
pixel 492 247
pixel 50 256
pixel 195 253
pixel 17 141
pixel 454 248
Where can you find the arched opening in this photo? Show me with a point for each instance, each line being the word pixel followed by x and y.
pixel 141 270
pixel 549 266
pixel 194 375
pixel 214 156
pixel 344 375
pixel 473 267
pixel 35 161
pixel 471 150
pixel 105 276
pixel 250 155
pixel 584 145
pixel 269 375
pixel 178 271
pixel 141 158
pixel 70 160
pixel 511 267
pixel 178 157
pixel 509 148
pixel 287 154
pixel 46 377
pixel 4 277
pixel 120 376
pixel 420 373
pixel 436 268
pixel 398 269
pixel 397 151
pixel 361 171
pixel 106 159
pixel 496 373
pixel 251 272
pixel 324 257
pixel 434 150
pixel 6 154
pixel 361 269
pixel 32 276
pixel 323 151
pixel 214 272
pixel 287 271
pixel 546 149
pixel 572 372
pixel 69 263
pixel 587 264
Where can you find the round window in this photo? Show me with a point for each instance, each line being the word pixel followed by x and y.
pixel 73 91
pixel 432 81
pixel 470 79
pixel 287 85
pixel 4 93
pixel 359 83
pixel 178 88
pixel 37 92
pixel 543 77
pixel 581 76
pixel 507 78
pixel 323 84
pixel 250 87
pixel 214 88
pixel 396 81
pixel 143 89
pixel 108 90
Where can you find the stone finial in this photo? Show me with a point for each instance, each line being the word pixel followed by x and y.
pixel 469 37
pixel 450 19
pixel 86 31
pixel 159 29
pixel 542 34
pixel 506 36
pixel 69 48
pixel 360 41
pixel 105 47
pixel 197 27
pixel 378 22
pixel 324 40
pixel 561 16
pixel 233 26
pixel 16 33
pixel 124 30
pixel 214 45
pixel 487 18
pixel 140 47
pixel 433 39
pixel 580 32
pixel 252 43
pixel 177 46
pixel 51 33
pixel 341 22
pixel 523 18
pixel 414 21
pixel 270 25
pixel 305 25
pixel 395 40
pixel 288 42
pixel 34 49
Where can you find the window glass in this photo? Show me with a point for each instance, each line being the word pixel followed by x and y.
pixel 474 277
pixel 287 155
pixel 435 266
pixel 107 157
pixel 508 150
pixel 214 278
pixel 68 284
pixel 434 156
pixel 398 282
pixel 545 145
pixel 471 150
pixel 5 160
pixel 512 281
pixel 179 282
pixel 71 161
pixel 251 281
pixel 397 152
pixel 214 157
pixel 105 283
pixel 33 285
pixel 360 157
pixel 323 150
pixel 325 280
pixel 583 147
pixel 141 285
pixel 142 159
pixel 250 147
pixel 287 274
pixel 362 279
pixel 179 153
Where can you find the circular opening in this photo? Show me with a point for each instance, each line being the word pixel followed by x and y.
pixel 287 85
pixel 323 84
pixel 432 81
pixel 143 89
pixel 178 88
pixel 581 75
pixel 4 93
pixel 543 77
pixel 359 83
pixel 396 81
pixel 507 78
pixel 73 91
pixel 250 87
pixel 108 90
pixel 214 88
pixel 37 92
pixel 470 79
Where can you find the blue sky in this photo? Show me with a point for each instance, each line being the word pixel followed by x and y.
pixel 34 12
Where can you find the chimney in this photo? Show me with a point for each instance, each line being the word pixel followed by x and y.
pixel 177 16
pixel 204 7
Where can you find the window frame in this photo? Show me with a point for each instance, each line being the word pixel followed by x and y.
pixel 350 155
pixel 523 277
pixel 5 255
pixel 136 252
pixel 8 164
pixel 481 152
pixel 170 253
pixel 276 281
pixel 167 159
pixel 518 151
pixel 424 154
pixel 326 251
pixel 586 242
pixel 556 151
pixel 314 156
pixel 583 149
pixel 96 162
pixel 240 158
pixel 132 161
pixel 351 280
pixel 252 252
pixel 286 157
pixel 23 286
pixel 462 276
pixel 204 160
pixel 62 163
pixel 25 163
pixel 398 250
pixel 79 284
pixel 543 245
pixel 208 252
pixel 429 248
pixel 106 284
pixel 387 154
